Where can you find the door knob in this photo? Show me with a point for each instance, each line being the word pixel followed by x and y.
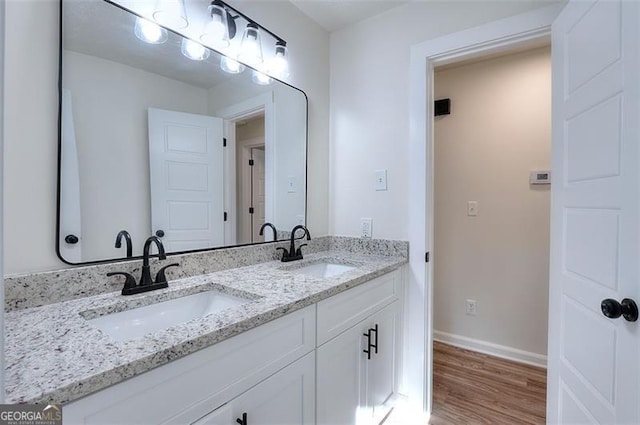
pixel 160 233
pixel 614 309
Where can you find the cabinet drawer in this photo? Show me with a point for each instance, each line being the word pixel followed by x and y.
pixel 342 311
pixel 200 381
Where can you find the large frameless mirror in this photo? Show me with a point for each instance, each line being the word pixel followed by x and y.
pixel 157 139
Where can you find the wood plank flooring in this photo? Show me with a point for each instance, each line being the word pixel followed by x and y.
pixel 474 388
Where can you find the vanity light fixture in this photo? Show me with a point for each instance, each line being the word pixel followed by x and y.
pixel 171 13
pixel 150 32
pixel 221 28
pixel 194 50
pixel 220 32
pixel 251 46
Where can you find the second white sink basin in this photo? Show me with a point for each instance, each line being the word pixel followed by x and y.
pixel 323 270
pixel 131 324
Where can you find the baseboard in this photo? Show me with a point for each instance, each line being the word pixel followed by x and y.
pixel 492 349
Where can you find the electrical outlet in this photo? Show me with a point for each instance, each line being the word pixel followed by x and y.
pixel 366 227
pixel 472 307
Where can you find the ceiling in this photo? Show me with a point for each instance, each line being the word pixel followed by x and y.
pixel 335 14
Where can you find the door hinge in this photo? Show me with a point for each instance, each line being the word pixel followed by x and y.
pixel 426 257
pixel 225 216
pixel 250 210
pixel 224 142
pixel 251 163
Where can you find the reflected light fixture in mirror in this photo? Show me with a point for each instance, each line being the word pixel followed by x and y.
pixel 171 13
pixel 251 46
pixel 260 78
pixel 231 65
pixel 220 29
pixel 150 32
pixel 194 50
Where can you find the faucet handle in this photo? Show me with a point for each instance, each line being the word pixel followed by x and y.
pixel 285 253
pixel 130 281
pixel 161 277
pixel 299 250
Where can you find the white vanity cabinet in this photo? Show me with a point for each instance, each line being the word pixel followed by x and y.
pixel 307 367
pixel 353 386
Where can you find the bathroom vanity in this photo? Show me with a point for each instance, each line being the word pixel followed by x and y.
pixel 314 341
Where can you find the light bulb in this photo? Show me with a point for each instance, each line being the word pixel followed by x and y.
pixel 279 64
pixel 149 32
pixel 251 48
pixel 230 65
pixel 171 13
pixel 193 50
pixel 216 32
pixel 260 78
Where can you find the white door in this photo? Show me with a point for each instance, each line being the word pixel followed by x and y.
pixel 186 179
pixel 593 360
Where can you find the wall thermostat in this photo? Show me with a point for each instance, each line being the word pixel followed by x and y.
pixel 540 177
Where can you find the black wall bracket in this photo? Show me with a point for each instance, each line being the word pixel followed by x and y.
pixel 441 107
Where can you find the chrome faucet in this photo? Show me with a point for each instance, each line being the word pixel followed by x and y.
pixel 146 283
pixel 273 228
pixel 127 237
pixel 295 254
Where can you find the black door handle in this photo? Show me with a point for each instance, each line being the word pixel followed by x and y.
pixel 375 329
pixel 368 350
pixel 243 420
pixel 160 233
pixel 71 239
pixel 614 309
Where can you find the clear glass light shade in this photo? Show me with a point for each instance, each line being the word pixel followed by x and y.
pixel 231 65
pixel 171 13
pixel 150 32
pixel 279 64
pixel 194 50
pixel 261 78
pixel 216 32
pixel 251 46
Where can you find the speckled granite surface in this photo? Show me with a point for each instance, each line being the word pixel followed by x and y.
pixel 54 355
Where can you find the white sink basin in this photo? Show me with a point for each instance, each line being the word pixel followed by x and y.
pixel 131 324
pixel 323 270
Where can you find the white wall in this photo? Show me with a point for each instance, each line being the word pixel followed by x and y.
pixel 370 106
pixel 499 130
pixel 31 121
pixel 117 147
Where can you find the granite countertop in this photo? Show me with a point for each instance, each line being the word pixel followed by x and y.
pixel 53 355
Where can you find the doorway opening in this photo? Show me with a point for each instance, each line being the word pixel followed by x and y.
pixel 250 178
pixel 491 208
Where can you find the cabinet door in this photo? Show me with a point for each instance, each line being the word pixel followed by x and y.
pixel 341 396
pixel 286 398
pixel 381 369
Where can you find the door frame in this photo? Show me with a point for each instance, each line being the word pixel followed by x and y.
pixel 246 154
pixel 518 31
pixel 250 108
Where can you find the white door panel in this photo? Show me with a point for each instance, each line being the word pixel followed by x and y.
pixel 593 360
pixel 186 178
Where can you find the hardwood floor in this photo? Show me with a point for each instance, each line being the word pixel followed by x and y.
pixel 474 388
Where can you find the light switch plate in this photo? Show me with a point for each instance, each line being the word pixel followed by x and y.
pixel 472 208
pixel 291 184
pixel 366 227
pixel 381 179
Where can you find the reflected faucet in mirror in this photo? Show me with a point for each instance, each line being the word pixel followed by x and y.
pixel 146 282
pixel 127 237
pixel 294 254
pixel 273 228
